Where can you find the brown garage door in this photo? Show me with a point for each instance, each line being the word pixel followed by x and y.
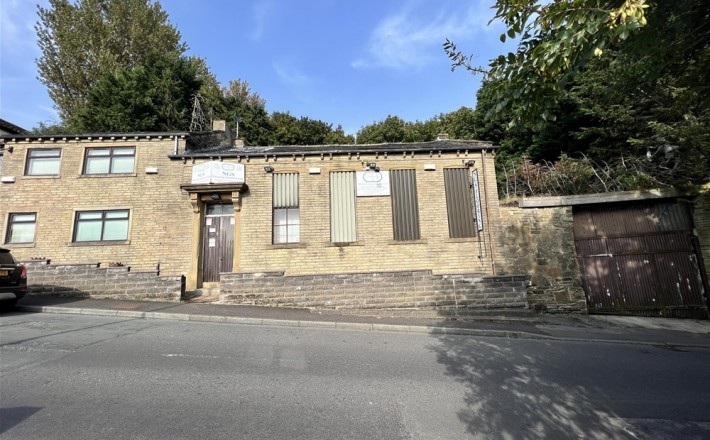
pixel 640 259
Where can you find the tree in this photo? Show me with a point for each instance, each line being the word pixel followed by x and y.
pixel 238 100
pixel 154 96
pixel 84 40
pixel 392 129
pixel 459 124
pixel 338 137
pixel 289 130
pixel 556 38
pixel 640 103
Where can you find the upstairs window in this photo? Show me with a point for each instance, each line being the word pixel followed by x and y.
pixel 286 215
pixel 459 202
pixel 405 206
pixel 109 160
pixel 21 228
pixel 343 222
pixel 101 226
pixel 43 161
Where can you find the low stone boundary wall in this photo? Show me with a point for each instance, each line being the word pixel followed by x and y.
pixel 405 289
pixel 540 242
pixel 93 281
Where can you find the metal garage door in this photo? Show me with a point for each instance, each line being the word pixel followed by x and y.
pixel 640 259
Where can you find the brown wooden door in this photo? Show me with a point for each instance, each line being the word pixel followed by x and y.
pixel 640 259
pixel 217 242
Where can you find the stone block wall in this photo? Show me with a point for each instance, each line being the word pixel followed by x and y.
pixel 539 242
pixel 93 281
pixel 160 228
pixel 405 289
pixel 701 220
pixel 375 248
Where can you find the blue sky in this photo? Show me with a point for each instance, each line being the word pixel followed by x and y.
pixel 344 62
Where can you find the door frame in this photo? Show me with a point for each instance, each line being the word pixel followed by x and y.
pixel 216 221
pixel 200 196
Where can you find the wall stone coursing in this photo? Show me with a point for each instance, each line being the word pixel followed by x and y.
pixel 375 249
pixel 540 243
pixel 93 281
pixel 701 220
pixel 405 289
pixel 160 231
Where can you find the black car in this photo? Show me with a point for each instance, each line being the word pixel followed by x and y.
pixel 13 279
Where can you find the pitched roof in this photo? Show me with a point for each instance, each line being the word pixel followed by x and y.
pixel 290 150
pixel 10 127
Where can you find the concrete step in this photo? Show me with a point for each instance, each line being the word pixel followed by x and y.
pixel 203 295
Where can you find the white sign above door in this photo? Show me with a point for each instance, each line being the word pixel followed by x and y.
pixel 218 172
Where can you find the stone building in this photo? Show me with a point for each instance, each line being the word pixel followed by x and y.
pixel 388 225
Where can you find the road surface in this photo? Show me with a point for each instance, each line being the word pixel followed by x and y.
pixel 91 377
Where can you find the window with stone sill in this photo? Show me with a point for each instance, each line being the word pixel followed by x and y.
pixel 43 161
pixel 21 228
pixel 98 226
pixel 111 160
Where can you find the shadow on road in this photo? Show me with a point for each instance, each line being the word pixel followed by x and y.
pixel 517 394
pixel 10 417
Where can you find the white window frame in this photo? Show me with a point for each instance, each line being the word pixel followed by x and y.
pixel 286 205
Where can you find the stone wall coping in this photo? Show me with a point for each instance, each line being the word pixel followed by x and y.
pixel 590 199
pixel 96 265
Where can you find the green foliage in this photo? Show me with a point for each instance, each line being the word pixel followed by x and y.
pixel 85 40
pixel 639 105
pixel 392 129
pixel 288 130
pixel 45 128
pixel 460 124
pixel 555 38
pixel 338 137
pixel 154 96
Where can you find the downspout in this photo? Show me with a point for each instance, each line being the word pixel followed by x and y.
pixel 488 216
pixel 175 150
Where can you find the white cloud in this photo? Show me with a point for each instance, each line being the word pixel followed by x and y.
pixel 289 74
pixel 17 20
pixel 408 40
pixel 261 14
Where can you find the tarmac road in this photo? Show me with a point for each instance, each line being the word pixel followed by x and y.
pixel 92 377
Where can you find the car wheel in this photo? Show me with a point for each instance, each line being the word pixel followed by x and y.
pixel 8 305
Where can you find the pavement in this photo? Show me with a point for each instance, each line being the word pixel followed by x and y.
pixel 665 332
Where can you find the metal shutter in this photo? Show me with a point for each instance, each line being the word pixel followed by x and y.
pixel 405 208
pixel 459 207
pixel 343 225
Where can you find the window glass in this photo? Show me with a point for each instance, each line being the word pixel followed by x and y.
pixel 6 258
pixel 97 165
pixel 90 215
pixel 88 230
pixel 101 225
pixel 220 209
pixel 280 217
pixel 286 213
pixel 109 160
pixel 116 230
pixel 21 228
pixel 287 228
pixel 43 162
pixel 116 214
pixel 122 164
